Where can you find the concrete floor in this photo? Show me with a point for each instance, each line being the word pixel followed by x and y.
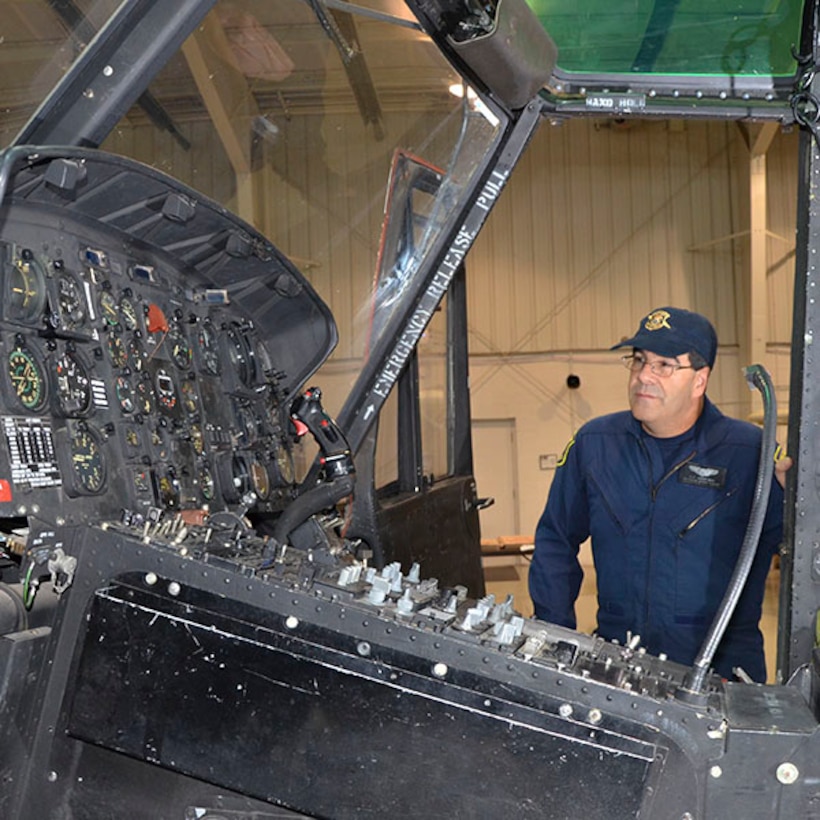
pixel 506 574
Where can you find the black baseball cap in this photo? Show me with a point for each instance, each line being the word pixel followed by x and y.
pixel 670 331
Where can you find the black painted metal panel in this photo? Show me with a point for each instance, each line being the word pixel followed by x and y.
pixel 296 722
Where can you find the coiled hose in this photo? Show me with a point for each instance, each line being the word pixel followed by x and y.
pixel 756 376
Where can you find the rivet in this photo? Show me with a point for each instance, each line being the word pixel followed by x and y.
pixel 787 773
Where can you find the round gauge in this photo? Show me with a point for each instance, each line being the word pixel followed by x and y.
pixel 108 307
pixel 166 390
pixel 169 489
pixel 260 480
pixel 27 378
pixel 128 313
pixel 158 439
pixel 132 440
pixel 180 349
pixel 26 296
pixel 246 425
pixel 188 393
pixel 125 394
pixel 117 351
pixel 197 439
pixel 73 385
pixel 207 485
pixel 242 358
pixel 87 462
pixel 145 398
pixel 71 302
pixel 240 477
pixel 284 461
pixel 136 355
pixel 208 350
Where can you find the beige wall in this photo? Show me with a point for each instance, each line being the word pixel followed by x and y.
pixel 601 222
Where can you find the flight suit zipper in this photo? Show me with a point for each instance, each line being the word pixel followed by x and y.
pixel 695 521
pixel 653 494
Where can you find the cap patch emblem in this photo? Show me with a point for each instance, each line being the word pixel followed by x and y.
pixel 657 320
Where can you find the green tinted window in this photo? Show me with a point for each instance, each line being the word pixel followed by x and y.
pixel 712 37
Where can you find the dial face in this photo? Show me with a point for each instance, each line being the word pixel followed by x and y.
pixel 180 349
pixel 145 399
pixel 27 378
pixel 87 461
pixel 240 477
pixel 117 351
pixel 26 290
pixel 136 355
pixel 169 489
pixel 71 302
pixel 208 350
pixel 132 440
pixel 246 426
pixel 73 385
pixel 188 393
pixel 166 390
pixel 284 461
pixel 128 313
pixel 125 394
pixel 260 479
pixel 197 439
pixel 242 358
pixel 207 486
pixel 109 308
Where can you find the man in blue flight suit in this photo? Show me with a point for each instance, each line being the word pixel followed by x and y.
pixel 665 491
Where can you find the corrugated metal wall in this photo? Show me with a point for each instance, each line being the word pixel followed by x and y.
pixel 603 220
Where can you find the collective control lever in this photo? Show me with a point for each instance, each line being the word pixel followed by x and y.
pixel 308 415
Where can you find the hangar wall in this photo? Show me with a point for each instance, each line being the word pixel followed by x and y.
pixel 601 221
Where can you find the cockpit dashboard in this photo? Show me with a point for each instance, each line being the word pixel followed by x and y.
pixel 150 344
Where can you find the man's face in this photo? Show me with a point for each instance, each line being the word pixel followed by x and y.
pixel 667 406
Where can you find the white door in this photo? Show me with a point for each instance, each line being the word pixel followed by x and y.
pixel 496 474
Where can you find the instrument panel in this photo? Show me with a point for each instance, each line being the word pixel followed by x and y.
pixel 130 383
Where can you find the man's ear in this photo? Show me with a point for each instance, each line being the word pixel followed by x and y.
pixel 701 380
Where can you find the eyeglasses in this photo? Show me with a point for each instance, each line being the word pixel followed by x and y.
pixel 635 363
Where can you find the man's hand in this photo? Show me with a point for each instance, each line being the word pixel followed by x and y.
pixel 782 465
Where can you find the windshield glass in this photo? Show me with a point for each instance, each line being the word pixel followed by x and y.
pixel 337 130
pixel 313 123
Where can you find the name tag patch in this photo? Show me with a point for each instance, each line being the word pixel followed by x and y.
pixel 699 475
